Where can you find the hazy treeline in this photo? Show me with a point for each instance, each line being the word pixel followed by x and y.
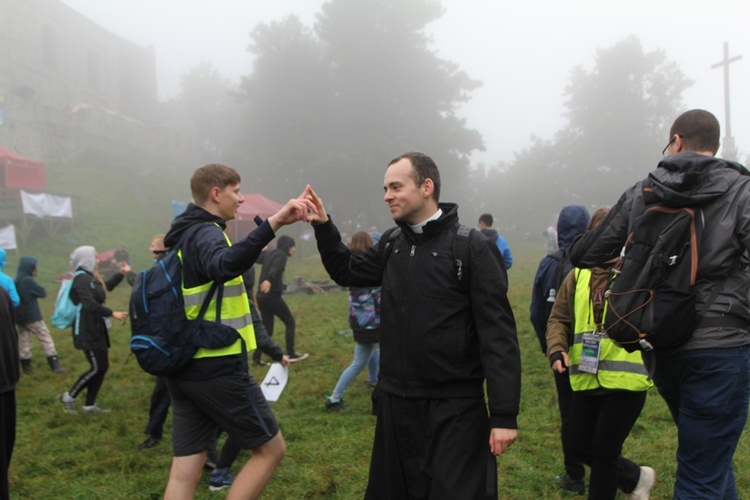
pixel 331 104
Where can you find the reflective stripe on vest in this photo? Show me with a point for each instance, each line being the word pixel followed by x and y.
pixel 618 369
pixel 235 312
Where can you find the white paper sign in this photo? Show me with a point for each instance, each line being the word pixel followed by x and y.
pixel 275 381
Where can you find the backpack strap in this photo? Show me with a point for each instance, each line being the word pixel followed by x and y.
pixel 461 255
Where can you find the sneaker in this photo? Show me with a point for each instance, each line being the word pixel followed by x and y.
pixel 645 484
pixel 261 363
pixel 94 410
pixel 150 442
pixel 335 405
pixel 370 384
pixel 293 358
pixel 567 483
pixel 219 479
pixel 68 402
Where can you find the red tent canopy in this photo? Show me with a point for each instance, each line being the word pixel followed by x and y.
pixel 254 204
pixel 17 171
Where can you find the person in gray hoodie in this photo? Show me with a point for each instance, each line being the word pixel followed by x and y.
pixel 29 317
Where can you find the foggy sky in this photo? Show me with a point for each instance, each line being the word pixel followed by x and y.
pixel 523 52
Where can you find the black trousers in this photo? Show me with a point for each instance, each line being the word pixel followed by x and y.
pixel 159 409
pixel 573 466
pixel 270 307
pixel 599 426
pixel 94 377
pixel 7 438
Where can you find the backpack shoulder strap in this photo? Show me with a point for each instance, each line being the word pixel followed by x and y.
pixel 462 255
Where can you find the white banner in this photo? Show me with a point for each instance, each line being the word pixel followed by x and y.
pixel 8 237
pixel 46 205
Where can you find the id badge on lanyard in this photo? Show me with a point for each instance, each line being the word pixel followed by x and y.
pixel 590 353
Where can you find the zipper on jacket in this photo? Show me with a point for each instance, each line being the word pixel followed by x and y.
pixel 413 248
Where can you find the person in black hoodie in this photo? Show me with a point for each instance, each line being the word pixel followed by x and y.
pixel 706 382
pixel 29 317
pixel 91 328
pixel 9 375
pixel 446 328
pixel 550 274
pixel 270 289
pixel 215 390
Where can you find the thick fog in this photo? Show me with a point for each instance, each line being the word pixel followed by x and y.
pixel 533 59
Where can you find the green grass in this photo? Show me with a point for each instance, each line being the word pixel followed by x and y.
pixel 67 457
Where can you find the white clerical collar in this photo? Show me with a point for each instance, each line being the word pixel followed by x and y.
pixel 419 228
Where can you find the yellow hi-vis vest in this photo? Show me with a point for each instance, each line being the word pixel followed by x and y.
pixel 235 312
pixel 618 369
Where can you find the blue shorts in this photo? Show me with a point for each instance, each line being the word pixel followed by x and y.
pixel 232 403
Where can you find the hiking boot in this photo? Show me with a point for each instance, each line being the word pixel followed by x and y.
pixel 646 482
pixel 54 364
pixel 68 402
pixel 569 484
pixel 219 479
pixel 335 405
pixel 26 366
pixel 293 358
pixel 93 410
pixel 150 442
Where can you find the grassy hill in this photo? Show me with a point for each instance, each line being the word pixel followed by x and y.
pixel 66 457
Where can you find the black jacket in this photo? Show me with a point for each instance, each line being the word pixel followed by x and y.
pixel 9 371
pixel 89 292
pixel 206 256
pixel 436 340
pixel 29 291
pixel 720 191
pixel 274 265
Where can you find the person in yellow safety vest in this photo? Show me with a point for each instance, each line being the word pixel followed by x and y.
pixel 215 390
pixel 609 384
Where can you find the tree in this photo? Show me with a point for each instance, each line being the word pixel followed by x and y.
pixel 618 117
pixel 334 105
pixel 209 101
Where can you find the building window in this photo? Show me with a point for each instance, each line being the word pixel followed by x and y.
pixel 49 47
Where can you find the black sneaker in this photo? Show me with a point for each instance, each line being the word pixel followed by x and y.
pixel 261 363
pixel 150 442
pixel 567 483
pixel 335 405
pixel 293 358
pixel 219 479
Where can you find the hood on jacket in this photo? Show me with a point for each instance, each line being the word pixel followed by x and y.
pixel 83 257
pixel 26 267
pixel 2 258
pixel 192 215
pixel 693 179
pixel 285 243
pixel 571 222
pixel 490 234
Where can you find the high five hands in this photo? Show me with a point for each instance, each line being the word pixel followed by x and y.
pixel 319 216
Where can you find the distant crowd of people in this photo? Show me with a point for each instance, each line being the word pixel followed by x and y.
pixel 433 327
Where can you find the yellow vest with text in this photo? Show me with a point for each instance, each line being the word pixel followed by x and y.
pixel 618 369
pixel 235 312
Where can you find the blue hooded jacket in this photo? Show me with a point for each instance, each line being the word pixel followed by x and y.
pixel 7 282
pixel 571 222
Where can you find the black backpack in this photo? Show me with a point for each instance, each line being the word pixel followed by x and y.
pixel 162 339
pixel 650 298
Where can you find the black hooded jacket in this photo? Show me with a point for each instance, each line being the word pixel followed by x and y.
pixel 720 192
pixel 274 265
